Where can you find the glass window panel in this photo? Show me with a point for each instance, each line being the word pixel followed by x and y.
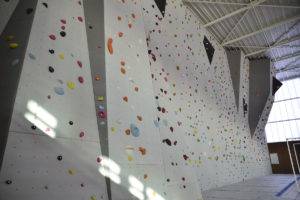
pixel 282 133
pixel 296 85
pixel 289 109
pixel 296 107
pixel 272 116
pixel 269 133
pixel 275 132
pixel 282 113
pixel 294 128
pixel 291 89
pixel 285 91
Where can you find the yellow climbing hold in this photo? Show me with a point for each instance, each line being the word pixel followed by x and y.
pixel 93 197
pixel 71 85
pixel 10 37
pixel 71 171
pixel 129 158
pixel 61 56
pixel 100 99
pixel 13 45
pixel 112 128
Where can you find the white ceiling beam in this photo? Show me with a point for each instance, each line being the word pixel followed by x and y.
pixel 288 69
pixel 261 30
pixel 274 46
pixel 250 5
pixel 246 46
pixel 287 57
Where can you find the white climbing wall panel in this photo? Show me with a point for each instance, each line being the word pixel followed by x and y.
pixel 47 124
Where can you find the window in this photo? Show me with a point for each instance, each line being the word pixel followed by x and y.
pixel 284 119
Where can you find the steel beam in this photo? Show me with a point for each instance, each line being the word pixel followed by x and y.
pixel 287 57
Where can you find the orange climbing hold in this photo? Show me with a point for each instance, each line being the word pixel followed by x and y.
pixel 123 1
pixel 125 99
pixel 122 63
pixel 97 78
pixel 136 89
pixel 145 176
pixel 142 150
pixel 123 70
pixel 119 18
pixel 139 117
pixel 120 34
pixel 109 45
pixel 129 25
pixel 133 15
pixel 127 132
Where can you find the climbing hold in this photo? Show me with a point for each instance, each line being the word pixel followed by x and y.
pixel 127 132
pixel 45 4
pixel 29 10
pixel 120 34
pixel 81 134
pixel 129 158
pixel 168 142
pixel 79 63
pixel 165 122
pixel 156 123
pixel 71 85
pixel 52 37
pixel 63 21
pixel 99 160
pixel 102 123
pixel 10 37
pixel 125 99
pixel 134 130
pixel 129 25
pixel 136 89
pixel 51 51
pixel 63 28
pixel 171 129
pixel 61 56
pixel 100 98
pixel 123 70
pixel 63 33
pixel 46 187
pixel 142 150
pixel 71 122
pixel 109 45
pixel 15 62
pixel 185 157
pixel 80 19
pixel 133 15
pixel 97 78
pixel 59 90
pixel 59 157
pixel 112 128
pixel 71 171
pixel 93 197
pixel 51 69
pixel 8 182
pixel 33 127
pixel 119 18
pixel 102 114
pixel 60 81
pixel 145 176
pixel 31 56
pixel 139 117
pixel 122 63
pixel 101 107
pixel 82 185
pixel 80 79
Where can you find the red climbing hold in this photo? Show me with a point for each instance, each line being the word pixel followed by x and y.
pixel 63 27
pixel 80 19
pixel 102 114
pixel 63 21
pixel 52 37
pixel 80 79
pixel 185 157
pixel 99 160
pixel 81 134
pixel 79 63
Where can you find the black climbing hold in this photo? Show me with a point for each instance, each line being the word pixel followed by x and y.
pixel 51 51
pixel 158 118
pixel 209 49
pixel 156 23
pixel 51 69
pixel 90 27
pixel 149 51
pixel 29 10
pixel 168 180
pixel 70 122
pixel 161 90
pixel 8 182
pixel 156 97
pixel 59 157
pixel 63 34
pixel 161 4
pixel 159 108
pixel 33 127
pixel 168 142
pixel 45 4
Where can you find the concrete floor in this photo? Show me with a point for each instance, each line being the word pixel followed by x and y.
pixel 262 188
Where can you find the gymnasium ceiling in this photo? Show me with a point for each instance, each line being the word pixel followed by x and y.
pixel 260 28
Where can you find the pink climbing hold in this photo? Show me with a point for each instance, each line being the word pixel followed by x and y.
pixel 79 63
pixel 81 134
pixel 80 79
pixel 79 2
pixel 63 27
pixel 82 185
pixel 102 114
pixel 99 160
pixel 80 19
pixel 52 37
pixel 63 21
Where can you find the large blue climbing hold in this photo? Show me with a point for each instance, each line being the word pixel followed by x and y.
pixel 134 130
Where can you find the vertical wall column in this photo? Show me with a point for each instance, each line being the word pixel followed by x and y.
pixel 259 90
pixel 94 17
pixel 234 61
pixel 13 44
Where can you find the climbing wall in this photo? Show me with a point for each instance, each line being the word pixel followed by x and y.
pixel 7 8
pixel 135 155
pixel 53 147
pixel 244 90
pixel 205 143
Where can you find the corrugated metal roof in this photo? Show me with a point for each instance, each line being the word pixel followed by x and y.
pixel 250 20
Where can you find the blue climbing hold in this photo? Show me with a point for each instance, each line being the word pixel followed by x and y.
pixel 101 107
pixel 59 90
pixel 15 62
pixel 60 81
pixel 156 123
pixel 165 122
pixel 134 130
pixel 102 123
pixel 157 103
pixel 31 56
